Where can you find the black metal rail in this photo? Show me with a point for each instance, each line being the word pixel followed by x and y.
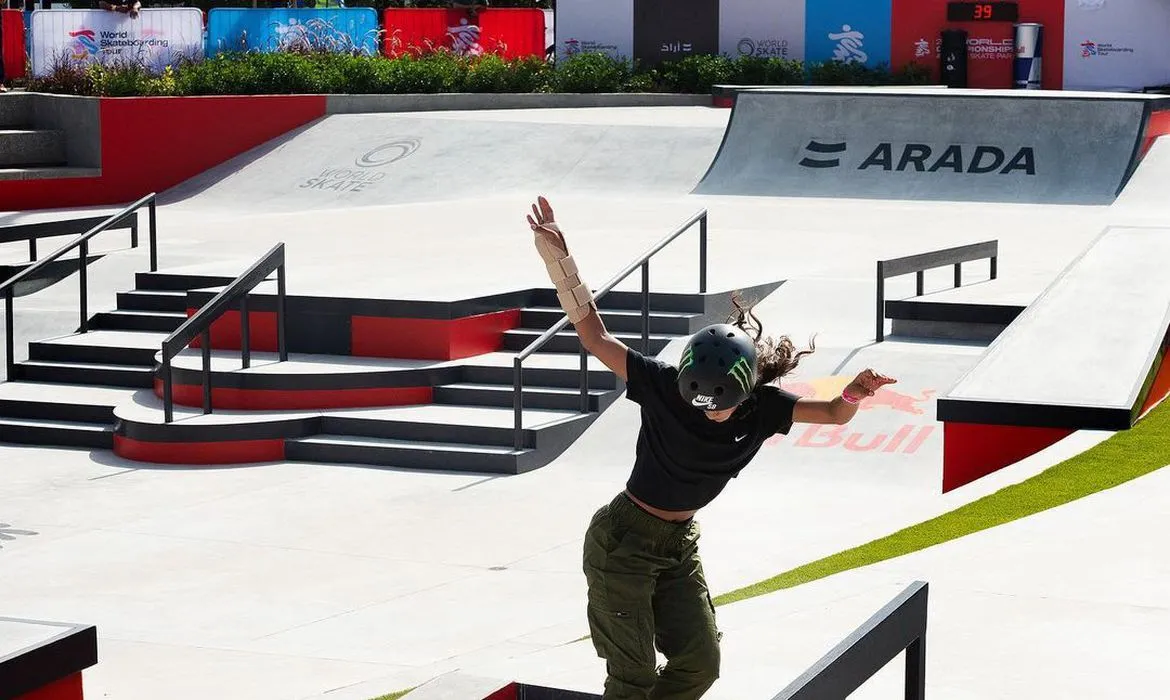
pixel 897 627
pixel 32 232
pixel 643 262
pixel 919 264
pixel 199 325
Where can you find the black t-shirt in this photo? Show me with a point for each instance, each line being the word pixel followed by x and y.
pixel 684 459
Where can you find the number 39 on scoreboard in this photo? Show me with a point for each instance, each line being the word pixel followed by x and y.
pixel 983 11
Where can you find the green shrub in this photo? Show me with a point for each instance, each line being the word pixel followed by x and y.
pixel 696 74
pixel 591 72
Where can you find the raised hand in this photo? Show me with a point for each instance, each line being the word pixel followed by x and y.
pixel 543 223
pixel 867 383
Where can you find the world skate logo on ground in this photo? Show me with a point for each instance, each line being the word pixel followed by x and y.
pixel 905 439
pixel 821 153
pixel 364 175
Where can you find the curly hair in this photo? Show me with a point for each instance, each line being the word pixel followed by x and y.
pixel 775 357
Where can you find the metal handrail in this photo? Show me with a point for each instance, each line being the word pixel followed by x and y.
pixel 199 325
pixel 918 264
pixel 699 217
pixel 897 627
pixel 8 288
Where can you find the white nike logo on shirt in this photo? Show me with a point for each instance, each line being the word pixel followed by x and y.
pixel 740 438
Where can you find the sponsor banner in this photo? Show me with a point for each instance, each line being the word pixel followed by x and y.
pixel 925 147
pixel 916 29
pixel 670 30
pixel 353 31
pixel 12 50
pixel 1116 44
pixel 595 26
pixel 156 39
pixel 511 33
pixel 763 28
pixel 850 31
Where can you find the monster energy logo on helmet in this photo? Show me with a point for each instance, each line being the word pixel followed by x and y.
pixel 712 359
pixel 742 372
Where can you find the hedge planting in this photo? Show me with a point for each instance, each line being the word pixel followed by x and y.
pixel 286 73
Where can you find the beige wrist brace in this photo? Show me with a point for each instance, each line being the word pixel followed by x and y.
pixel 575 297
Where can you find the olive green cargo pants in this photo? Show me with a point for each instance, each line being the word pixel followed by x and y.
pixel 646 589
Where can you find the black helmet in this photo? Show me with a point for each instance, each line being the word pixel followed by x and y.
pixel 718 368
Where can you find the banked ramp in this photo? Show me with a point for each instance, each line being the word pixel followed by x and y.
pixel 1048 147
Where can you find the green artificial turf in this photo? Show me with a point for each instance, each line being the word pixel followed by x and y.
pixel 393 696
pixel 1124 456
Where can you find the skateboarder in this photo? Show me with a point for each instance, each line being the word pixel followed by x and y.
pixel 702 422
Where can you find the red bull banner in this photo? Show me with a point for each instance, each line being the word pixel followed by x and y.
pixel 12 51
pixel 916 38
pixel 511 33
pixel 155 39
pixel 914 410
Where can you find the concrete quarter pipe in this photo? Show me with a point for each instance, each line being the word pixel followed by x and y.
pixel 933 144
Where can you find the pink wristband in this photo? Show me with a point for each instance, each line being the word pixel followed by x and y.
pixel 849 399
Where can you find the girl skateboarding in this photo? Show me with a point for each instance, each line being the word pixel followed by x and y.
pixel 702 423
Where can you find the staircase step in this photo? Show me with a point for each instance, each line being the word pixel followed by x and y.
pixel 16 111
pixel 47 173
pixel 486 425
pixel 84 373
pixel 540 376
pixel 127 320
pixel 26 431
pixel 432 456
pixel 133 348
pixel 85 404
pixel 31 147
pixel 178 282
pixel 621 320
pixel 544 397
pixel 173 300
pixel 566 341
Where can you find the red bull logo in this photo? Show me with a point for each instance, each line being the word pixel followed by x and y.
pixel 906 439
pixel 828 388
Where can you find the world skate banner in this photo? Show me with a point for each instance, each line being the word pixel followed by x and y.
pixel 511 33
pixel 762 28
pixel 341 30
pixel 595 26
pixel 850 31
pixel 1116 45
pixel 155 39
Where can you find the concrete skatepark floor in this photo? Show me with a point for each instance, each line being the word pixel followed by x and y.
pixel 332 581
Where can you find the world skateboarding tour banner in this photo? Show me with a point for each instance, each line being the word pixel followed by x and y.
pixel 155 39
pixel 1116 45
pixel 342 30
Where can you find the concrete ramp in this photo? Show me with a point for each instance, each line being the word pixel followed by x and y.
pixel 362 160
pixel 932 144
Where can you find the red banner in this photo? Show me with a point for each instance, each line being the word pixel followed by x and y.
pixel 917 25
pixel 12 51
pixel 511 33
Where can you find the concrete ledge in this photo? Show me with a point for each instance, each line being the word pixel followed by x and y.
pixel 80 119
pixel 362 104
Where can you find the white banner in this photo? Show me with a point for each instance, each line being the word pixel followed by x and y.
pixel 765 28
pixel 154 39
pixel 590 26
pixel 1116 44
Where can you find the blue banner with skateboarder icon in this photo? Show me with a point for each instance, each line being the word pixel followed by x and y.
pixel 848 31
pixel 340 30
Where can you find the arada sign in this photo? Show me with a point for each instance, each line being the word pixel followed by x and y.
pixel 921 157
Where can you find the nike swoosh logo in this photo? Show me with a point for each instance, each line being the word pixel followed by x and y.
pixel 740 438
